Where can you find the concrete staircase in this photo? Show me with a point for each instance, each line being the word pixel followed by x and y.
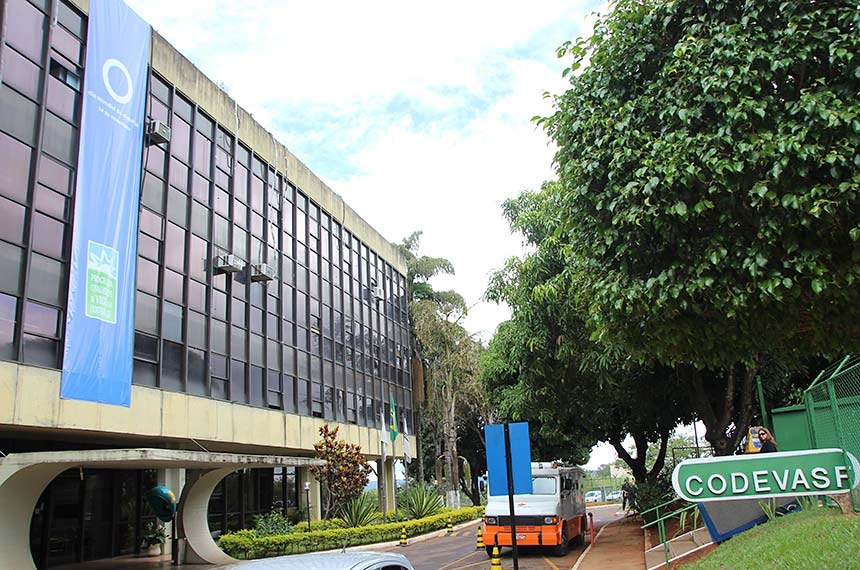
pixel 679 547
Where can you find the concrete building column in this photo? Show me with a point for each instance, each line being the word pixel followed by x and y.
pixel 304 475
pixel 388 488
pixel 173 479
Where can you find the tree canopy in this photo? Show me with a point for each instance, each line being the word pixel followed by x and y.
pixel 709 177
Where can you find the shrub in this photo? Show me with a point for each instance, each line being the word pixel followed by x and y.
pixel 272 523
pixel 424 502
pixel 360 511
pixel 245 545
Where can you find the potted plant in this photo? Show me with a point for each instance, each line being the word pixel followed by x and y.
pixel 153 537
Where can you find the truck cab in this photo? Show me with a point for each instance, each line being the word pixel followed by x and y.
pixel 552 515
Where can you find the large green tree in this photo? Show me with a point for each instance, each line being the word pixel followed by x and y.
pixel 709 168
pixel 420 269
pixel 542 366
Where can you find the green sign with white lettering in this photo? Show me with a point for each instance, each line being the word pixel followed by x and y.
pixel 786 474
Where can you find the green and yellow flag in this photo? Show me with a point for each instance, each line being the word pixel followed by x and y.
pixel 392 427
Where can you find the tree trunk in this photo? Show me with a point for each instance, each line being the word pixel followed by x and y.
pixel 724 405
pixel 419 445
pixel 470 488
pixel 452 457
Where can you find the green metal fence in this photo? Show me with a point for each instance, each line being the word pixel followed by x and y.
pixel 833 409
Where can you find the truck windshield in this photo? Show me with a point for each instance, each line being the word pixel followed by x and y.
pixel 543 485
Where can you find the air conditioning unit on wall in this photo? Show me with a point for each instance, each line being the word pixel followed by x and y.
pixel 227 264
pixel 157 132
pixel 262 272
pixel 378 293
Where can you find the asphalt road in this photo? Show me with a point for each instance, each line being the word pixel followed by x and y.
pixel 458 551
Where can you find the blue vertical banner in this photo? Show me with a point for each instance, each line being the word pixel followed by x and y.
pixel 99 345
pixel 521 457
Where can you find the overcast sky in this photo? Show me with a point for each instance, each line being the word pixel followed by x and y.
pixel 418 114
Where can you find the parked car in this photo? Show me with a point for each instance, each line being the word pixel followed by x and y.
pixel 614 496
pixel 327 561
pixel 593 497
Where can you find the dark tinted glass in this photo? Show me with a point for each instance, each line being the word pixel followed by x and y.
pixel 171 367
pixel 237 381
pixel 257 396
pixel 197 373
pixel 8 310
pixel 50 202
pixel 47 280
pixel 145 347
pixel 171 321
pixel 14 165
pixel 144 374
pixel 42 320
pixel 48 235
pixel 11 221
pixel 27 32
pixel 40 351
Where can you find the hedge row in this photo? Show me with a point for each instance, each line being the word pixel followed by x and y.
pixel 245 544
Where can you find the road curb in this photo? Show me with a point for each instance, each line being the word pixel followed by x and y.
pixel 413 540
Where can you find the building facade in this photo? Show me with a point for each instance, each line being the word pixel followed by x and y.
pixel 306 323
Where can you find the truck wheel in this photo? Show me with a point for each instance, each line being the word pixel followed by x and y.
pixel 561 549
pixel 579 539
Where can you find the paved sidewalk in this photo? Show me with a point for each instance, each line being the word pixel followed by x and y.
pixel 620 546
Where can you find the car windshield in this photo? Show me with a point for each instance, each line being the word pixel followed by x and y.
pixel 543 485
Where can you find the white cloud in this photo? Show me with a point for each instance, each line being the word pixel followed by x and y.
pixel 417 114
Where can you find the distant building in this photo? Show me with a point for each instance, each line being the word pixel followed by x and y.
pixel 239 306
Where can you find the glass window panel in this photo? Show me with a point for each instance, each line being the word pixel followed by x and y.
pixel 197 295
pixel 222 202
pixel 183 108
pixel 218 365
pixel 60 138
pixel 256 320
pixel 202 154
pixel 40 351
pixel 145 347
pixel 302 365
pixel 159 112
pixel 205 125
pixel 144 373
pixel 153 192
pixel 11 221
pixel 47 280
pixel 27 33
pixel 197 373
pixel 48 235
pixel 240 183
pixel 238 338
pixel 146 313
pixel 14 166
pixel 302 396
pixel 62 99
pixel 219 305
pixel 151 224
pixel 174 287
pixel 50 202
pixel 197 329
pixel 66 44
pixel 159 88
pixel 177 207
pixel 257 193
pixel 238 393
pixel 172 355
pixel 41 320
pixel 51 173
pixel 221 235
pixel 174 247
pixel 21 74
pixel 198 260
pixel 8 312
pixel 200 188
pixel 147 276
pixel 257 395
pixel 257 350
pixel 273 354
pixel 180 139
pixel 178 175
pixel 240 243
pixel 148 247
pixel 171 321
pixel 218 335
pixel 237 316
pixel 240 214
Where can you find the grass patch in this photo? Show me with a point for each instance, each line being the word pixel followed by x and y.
pixel 819 538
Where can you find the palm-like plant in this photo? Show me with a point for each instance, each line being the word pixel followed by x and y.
pixel 360 511
pixel 423 502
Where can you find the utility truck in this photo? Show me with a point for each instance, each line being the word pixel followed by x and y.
pixel 553 515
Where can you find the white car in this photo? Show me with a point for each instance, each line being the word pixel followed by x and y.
pixel 327 561
pixel 614 496
pixel 593 497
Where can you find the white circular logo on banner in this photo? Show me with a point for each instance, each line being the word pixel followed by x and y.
pixel 129 90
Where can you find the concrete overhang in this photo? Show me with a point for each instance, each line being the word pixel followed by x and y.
pixel 148 458
pixel 24 476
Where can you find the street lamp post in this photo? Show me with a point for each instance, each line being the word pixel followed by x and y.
pixel 308 502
